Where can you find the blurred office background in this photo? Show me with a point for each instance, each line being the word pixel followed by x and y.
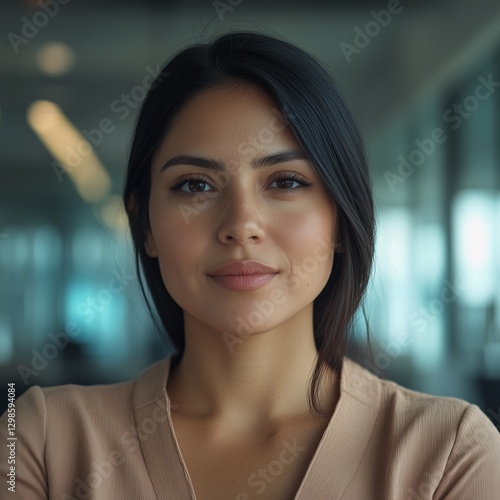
pixel 422 78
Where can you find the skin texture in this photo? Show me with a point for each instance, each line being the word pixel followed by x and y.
pixel 259 378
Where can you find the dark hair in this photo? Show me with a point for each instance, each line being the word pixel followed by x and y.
pixel 324 127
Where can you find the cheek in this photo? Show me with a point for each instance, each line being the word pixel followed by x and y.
pixel 307 232
pixel 178 257
pixel 178 242
pixel 308 242
pixel 172 221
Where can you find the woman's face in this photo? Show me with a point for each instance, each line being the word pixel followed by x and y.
pixel 202 218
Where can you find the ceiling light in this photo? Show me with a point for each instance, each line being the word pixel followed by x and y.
pixel 55 58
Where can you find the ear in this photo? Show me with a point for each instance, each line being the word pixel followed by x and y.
pixel 150 245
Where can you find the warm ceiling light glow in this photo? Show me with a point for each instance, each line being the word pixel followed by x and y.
pixel 55 58
pixel 43 116
pixel 74 154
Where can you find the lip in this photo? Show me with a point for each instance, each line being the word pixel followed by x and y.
pixel 243 275
pixel 242 268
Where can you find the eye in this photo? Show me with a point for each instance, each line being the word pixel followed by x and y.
pixel 289 179
pixel 192 181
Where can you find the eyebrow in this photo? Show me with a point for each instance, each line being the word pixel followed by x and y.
pixel 198 161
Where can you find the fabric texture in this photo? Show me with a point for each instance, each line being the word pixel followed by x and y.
pixel 383 442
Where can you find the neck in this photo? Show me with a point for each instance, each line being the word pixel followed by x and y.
pixel 253 381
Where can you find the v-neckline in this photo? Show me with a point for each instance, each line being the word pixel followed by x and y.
pixel 332 466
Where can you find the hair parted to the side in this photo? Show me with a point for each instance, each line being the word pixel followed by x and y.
pixel 324 127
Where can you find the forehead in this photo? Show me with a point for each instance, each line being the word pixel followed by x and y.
pixel 229 121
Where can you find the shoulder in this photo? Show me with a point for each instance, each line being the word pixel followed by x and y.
pixel 54 423
pixel 77 412
pixel 406 405
pixel 454 422
pixel 62 432
pixel 94 401
pixel 72 411
pixel 61 402
pixel 445 443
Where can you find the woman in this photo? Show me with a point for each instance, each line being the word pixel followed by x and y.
pixel 250 207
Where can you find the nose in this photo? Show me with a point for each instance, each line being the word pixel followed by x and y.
pixel 241 220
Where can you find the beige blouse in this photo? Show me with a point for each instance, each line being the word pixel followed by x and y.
pixel 116 441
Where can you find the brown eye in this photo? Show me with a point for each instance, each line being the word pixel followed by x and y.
pixel 285 182
pixel 197 186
